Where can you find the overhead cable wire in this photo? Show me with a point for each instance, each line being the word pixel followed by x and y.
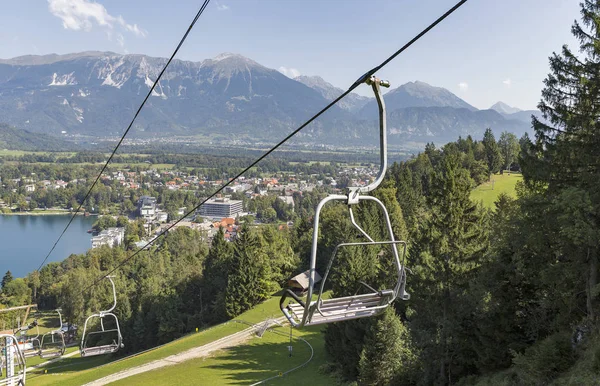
pixel 187 32
pixel 280 143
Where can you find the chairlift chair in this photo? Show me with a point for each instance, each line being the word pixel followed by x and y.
pixel 53 344
pixel 29 345
pixel 13 369
pixel 308 312
pixel 101 349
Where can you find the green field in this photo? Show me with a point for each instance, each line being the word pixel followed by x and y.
pixel 259 359
pixel 17 153
pixel 488 192
pixel 233 363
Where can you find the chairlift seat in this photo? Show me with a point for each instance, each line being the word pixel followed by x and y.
pixel 99 350
pixel 52 345
pixel 30 348
pixel 345 308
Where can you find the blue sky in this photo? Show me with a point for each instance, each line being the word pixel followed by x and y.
pixel 487 51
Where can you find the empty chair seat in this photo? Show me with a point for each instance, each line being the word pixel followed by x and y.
pixel 350 307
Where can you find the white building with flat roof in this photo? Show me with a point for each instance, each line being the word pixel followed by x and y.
pixel 221 207
pixel 111 237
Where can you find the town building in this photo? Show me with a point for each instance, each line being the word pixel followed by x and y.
pixel 147 207
pixel 111 237
pixel 221 207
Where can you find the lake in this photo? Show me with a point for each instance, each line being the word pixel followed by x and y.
pixel 26 240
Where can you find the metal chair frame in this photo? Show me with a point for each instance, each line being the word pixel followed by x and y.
pixel 17 379
pixel 49 348
pixel 30 346
pixel 310 312
pixel 107 348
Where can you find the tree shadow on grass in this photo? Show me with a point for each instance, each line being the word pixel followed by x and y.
pixel 75 364
pixel 264 358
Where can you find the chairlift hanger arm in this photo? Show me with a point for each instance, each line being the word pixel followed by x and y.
pixel 114 291
pixel 376 85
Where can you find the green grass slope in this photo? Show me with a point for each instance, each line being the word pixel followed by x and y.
pixel 272 349
pixel 488 192
pixel 259 359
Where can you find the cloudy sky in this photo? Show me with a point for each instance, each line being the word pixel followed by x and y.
pixel 487 51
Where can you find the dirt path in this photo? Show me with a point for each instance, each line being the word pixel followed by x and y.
pixel 197 352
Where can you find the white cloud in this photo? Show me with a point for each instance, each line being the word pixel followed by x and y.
pixel 222 7
pixel 80 15
pixel 507 82
pixel 464 86
pixel 289 72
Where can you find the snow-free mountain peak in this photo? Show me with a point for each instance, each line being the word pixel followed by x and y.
pixel 352 102
pixel 503 108
pixel 416 94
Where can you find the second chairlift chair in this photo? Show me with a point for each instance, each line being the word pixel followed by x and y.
pixel 53 342
pixel 29 344
pixel 308 312
pixel 100 349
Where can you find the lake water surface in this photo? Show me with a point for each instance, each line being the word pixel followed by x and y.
pixel 26 240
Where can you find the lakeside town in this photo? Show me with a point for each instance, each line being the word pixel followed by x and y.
pixel 270 198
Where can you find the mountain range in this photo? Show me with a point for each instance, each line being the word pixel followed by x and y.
pixel 229 96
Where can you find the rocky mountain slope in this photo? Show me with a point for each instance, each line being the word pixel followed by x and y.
pixel 97 93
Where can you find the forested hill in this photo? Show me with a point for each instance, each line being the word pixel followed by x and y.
pixel 16 139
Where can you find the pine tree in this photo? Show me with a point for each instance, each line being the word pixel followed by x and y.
pixel 563 163
pixel 249 280
pixel 8 277
pixel 492 152
pixel 216 271
pixel 445 255
pixel 387 355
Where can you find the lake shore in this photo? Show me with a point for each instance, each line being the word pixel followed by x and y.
pixel 44 213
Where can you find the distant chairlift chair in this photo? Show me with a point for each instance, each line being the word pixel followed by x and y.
pixel 13 369
pixel 309 312
pixel 102 349
pixel 53 342
pixel 29 345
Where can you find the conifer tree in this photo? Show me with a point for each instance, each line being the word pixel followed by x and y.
pixel 387 354
pixel 248 282
pixel 7 278
pixel 445 255
pixel 563 163
pixel 216 271
pixel 492 152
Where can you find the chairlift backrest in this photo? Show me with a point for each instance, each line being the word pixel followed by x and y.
pixel 13 369
pixel 53 344
pixel 309 312
pixel 102 348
